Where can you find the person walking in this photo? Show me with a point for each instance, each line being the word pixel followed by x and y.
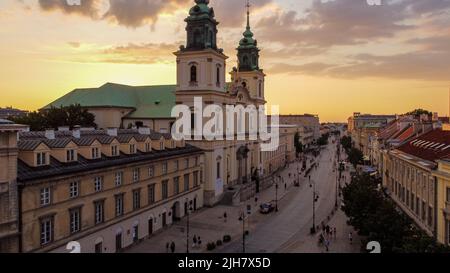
pixel 194 240
pixel 167 247
pixel 350 237
pixel 199 242
pixel 225 216
pixel 172 247
pixel 335 233
pixel 327 244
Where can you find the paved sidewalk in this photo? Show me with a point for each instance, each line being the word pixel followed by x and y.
pixel 209 224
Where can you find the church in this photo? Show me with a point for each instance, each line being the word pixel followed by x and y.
pixel 201 72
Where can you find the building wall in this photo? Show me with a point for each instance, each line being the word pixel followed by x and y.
pixel 9 214
pixel 413 188
pixel 61 203
pixel 443 202
pixel 109 117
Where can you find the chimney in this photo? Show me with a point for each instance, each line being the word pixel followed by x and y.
pixel 144 131
pixel 50 134
pixel 76 132
pixel 111 131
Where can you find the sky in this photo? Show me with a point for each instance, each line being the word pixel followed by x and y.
pixel 325 57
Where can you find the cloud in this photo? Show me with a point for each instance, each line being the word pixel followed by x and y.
pixel 89 8
pixel 232 13
pixel 137 13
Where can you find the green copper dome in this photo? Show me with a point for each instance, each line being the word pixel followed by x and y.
pixel 201 10
pixel 248 51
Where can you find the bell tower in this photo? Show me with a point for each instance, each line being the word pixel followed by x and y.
pixel 248 72
pixel 200 63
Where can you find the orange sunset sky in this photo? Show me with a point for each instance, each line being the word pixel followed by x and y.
pixel 330 58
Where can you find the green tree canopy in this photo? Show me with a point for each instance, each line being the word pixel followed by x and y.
pixel 419 112
pixel 56 117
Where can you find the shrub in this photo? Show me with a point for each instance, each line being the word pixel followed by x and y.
pixel 211 246
pixel 226 238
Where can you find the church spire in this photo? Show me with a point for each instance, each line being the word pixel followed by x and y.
pixel 248 52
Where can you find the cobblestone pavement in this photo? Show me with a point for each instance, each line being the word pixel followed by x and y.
pixel 284 231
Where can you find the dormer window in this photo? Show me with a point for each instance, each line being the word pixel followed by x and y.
pixel 41 159
pixel 114 150
pixel 132 148
pixel 148 147
pixel 161 145
pixel 95 153
pixel 70 155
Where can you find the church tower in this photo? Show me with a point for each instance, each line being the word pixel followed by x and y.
pixel 200 63
pixel 248 72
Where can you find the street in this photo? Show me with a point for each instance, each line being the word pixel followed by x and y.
pixel 285 231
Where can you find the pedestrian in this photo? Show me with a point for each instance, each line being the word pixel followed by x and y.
pixel 194 240
pixel 225 216
pixel 285 186
pixel 327 244
pixel 256 199
pixel 172 247
pixel 199 242
pixel 350 237
pixel 167 247
pixel 335 233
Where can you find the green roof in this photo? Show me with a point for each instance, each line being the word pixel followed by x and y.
pixel 147 101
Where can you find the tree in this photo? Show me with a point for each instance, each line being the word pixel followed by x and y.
pixel 298 144
pixel 56 117
pixel 376 218
pixel 419 112
pixel 355 157
pixel 346 142
pixel 323 140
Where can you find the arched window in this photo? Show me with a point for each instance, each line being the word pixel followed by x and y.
pixel 211 38
pixel 197 38
pixel 245 60
pixel 193 74
pixel 218 76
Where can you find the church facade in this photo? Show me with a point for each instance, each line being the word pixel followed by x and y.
pixel 201 73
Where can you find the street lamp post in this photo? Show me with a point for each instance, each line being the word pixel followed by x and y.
pixel 315 198
pixel 276 196
pixel 187 225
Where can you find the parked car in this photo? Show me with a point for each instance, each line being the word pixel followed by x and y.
pixel 266 208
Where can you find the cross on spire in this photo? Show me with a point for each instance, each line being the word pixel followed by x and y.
pixel 248 13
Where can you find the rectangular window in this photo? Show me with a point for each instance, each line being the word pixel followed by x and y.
pixel 95 153
pixel 448 195
pixel 161 145
pixel 74 189
pixel 164 168
pixel 70 155
pixel 151 171
pixel 448 232
pixel 45 196
pixel 114 150
pixel 75 220
pixel 218 170
pixel 98 184
pixel 136 175
pixel 148 147
pixel 417 206
pixel 119 205
pixel 151 194
pixel 196 179
pixel 430 216
pixel 41 159
pixel 99 212
pixel 132 148
pixel 186 182
pixel 186 163
pixel 136 199
pixel 176 185
pixel 165 189
pixel 118 179
pixel 177 165
pixel 196 161
pixel 47 228
pixel 424 211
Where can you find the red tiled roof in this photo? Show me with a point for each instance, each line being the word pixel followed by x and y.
pixel 431 146
pixel 406 134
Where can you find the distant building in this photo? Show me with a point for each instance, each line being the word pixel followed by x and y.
pixel 9 112
pixel 310 123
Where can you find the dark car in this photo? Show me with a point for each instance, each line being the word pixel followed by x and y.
pixel 266 208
